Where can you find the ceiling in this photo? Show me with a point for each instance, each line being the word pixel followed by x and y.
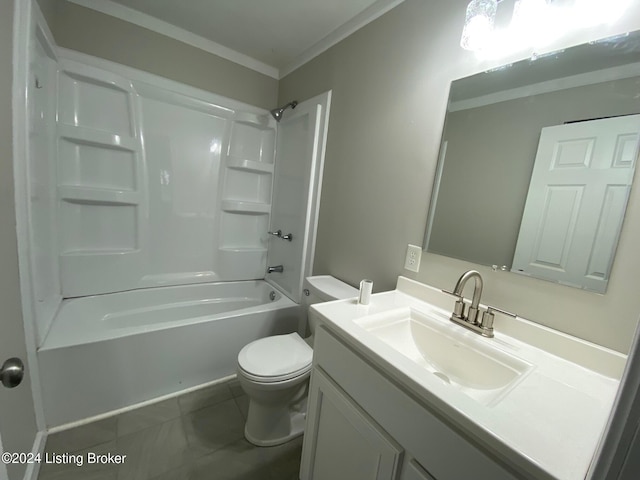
pixel 274 36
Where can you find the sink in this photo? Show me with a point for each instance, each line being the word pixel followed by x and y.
pixel 460 359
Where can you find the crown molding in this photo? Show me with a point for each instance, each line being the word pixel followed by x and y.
pixel 108 7
pixel 130 15
pixel 365 17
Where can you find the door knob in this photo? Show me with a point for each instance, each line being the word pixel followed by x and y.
pixel 12 372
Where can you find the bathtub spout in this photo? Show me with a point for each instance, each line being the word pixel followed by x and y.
pixel 277 268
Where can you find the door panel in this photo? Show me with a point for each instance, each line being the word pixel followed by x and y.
pixel 576 201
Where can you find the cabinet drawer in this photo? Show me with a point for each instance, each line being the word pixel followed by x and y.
pixel 446 453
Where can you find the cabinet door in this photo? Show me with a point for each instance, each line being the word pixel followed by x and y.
pixel 342 441
pixel 413 471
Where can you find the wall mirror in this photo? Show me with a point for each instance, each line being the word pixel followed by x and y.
pixel 536 163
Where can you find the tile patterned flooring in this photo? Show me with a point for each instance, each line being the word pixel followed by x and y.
pixel 197 436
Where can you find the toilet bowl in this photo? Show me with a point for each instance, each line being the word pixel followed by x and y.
pixel 274 373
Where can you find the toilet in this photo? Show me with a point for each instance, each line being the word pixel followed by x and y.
pixel 274 372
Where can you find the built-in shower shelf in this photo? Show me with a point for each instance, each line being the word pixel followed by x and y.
pixel 237 206
pixel 97 196
pixel 253 120
pixel 243 249
pixel 106 252
pixel 100 78
pixel 99 138
pixel 249 165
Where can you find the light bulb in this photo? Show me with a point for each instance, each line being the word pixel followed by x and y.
pixel 529 13
pixel 478 24
pixel 530 22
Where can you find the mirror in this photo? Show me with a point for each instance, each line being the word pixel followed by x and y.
pixel 536 163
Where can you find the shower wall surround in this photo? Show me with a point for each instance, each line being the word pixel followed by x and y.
pixel 157 183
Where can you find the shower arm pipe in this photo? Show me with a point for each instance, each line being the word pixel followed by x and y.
pixel 277 113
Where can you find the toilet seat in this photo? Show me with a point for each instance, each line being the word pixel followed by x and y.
pixel 276 358
pixel 277 379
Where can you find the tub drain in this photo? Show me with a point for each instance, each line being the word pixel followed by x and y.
pixel 442 377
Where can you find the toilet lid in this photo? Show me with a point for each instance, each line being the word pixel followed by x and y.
pixel 276 356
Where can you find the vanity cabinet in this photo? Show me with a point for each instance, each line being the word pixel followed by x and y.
pixel 347 443
pixel 362 425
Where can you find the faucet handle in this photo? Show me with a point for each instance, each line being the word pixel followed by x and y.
pixel 487 318
pixel 458 309
pixel 491 309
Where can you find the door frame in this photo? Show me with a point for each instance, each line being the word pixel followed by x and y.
pixel 27 17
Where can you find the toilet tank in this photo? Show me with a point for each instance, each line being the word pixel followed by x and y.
pixel 325 288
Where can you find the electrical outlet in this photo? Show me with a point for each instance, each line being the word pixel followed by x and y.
pixel 412 260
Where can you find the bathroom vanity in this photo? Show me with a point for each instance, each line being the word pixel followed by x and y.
pixel 400 392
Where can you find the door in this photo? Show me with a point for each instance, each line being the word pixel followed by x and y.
pixel 17 413
pixel 576 202
pixel 296 192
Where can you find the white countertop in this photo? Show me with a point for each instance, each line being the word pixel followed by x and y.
pixel 548 424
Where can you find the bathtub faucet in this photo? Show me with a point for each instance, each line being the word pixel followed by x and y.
pixel 277 268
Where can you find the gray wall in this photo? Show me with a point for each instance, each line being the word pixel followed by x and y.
pixel 17 421
pixel 377 176
pixel 100 35
pixel 489 161
pixel 390 84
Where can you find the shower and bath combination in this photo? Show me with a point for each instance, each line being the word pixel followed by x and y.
pixel 278 112
pixel 232 251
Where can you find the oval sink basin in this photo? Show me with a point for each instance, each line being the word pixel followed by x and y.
pixel 457 357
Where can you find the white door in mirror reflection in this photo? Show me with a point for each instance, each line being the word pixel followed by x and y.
pixel 577 197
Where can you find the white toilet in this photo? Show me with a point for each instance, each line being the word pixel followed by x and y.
pixel 274 373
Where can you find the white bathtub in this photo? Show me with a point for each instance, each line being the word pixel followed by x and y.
pixel 108 352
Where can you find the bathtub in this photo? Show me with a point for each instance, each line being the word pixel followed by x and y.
pixel 108 352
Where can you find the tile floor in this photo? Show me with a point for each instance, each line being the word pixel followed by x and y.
pixel 197 436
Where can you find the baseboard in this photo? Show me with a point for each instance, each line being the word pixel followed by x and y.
pixel 135 406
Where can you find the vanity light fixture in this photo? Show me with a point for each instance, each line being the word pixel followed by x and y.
pixel 478 25
pixel 527 13
pixel 528 21
pixel 534 24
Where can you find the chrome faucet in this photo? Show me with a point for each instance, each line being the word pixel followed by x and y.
pixel 278 233
pixel 470 320
pixel 277 268
pixel 472 316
